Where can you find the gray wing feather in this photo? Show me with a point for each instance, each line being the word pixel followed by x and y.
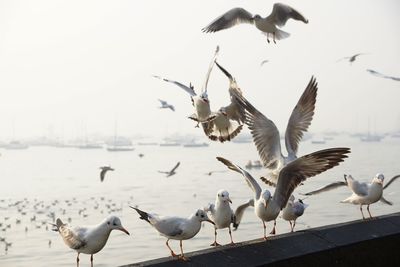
pixel 281 13
pixel 188 89
pixel 304 167
pixel 237 218
pixel 229 19
pixel 384 200
pixel 326 188
pixel 211 66
pixel 358 188
pixel 251 182
pixel 176 166
pixel 72 237
pixel 301 118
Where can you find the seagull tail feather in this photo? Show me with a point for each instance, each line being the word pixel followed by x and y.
pixel 143 215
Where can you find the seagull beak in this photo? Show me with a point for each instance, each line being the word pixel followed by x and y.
pixel 123 230
pixel 265 203
pixel 230 201
pixel 208 220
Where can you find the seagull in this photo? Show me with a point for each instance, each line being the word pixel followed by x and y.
pixel 104 169
pixel 171 172
pixel 90 239
pixel 352 58
pixel 228 121
pixel 268 207
pixel 266 135
pixel 221 214
pixel 200 102
pixel 373 72
pixel 263 62
pixel 280 14
pixel 363 193
pixel 240 211
pixel 176 228
pixel 293 210
pixel 164 104
pixel 211 172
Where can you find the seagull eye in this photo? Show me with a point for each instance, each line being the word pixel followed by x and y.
pixel 108 223
pixel 202 216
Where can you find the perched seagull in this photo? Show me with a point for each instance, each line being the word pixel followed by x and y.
pixel 90 239
pixel 363 193
pixel 268 25
pixel 221 214
pixel 104 169
pixel 268 207
pixel 352 58
pixel 164 104
pixel 171 172
pixel 263 62
pixel 200 102
pixel 175 227
pixel 266 135
pixel 293 210
pixel 373 72
pixel 228 121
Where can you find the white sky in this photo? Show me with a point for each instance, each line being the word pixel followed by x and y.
pixel 85 64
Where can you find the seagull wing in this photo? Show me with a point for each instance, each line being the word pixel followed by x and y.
pixel 384 200
pixel 251 182
pixel 268 182
pixel 103 174
pixel 394 178
pixel 162 102
pixel 73 238
pixel 301 118
pixel 304 167
pixel 176 166
pixel 229 19
pixel 358 188
pixel 326 188
pixel 211 66
pixel 188 89
pixel 169 226
pixel 281 13
pixel 264 131
pixel 239 213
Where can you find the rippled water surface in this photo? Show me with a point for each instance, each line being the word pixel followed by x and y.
pixel 58 179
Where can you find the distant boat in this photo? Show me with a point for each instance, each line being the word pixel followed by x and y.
pixel 371 138
pixel 147 143
pixel 16 145
pixel 170 144
pixel 318 141
pixel 253 164
pixel 194 144
pixel 119 143
pixel 120 148
pixel 91 146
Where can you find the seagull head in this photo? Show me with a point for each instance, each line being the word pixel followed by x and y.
pixel 201 215
pixel 257 17
pixel 266 197
pixel 223 196
pixel 204 97
pixel 223 111
pixel 114 223
pixel 379 178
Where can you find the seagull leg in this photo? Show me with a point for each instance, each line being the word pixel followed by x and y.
pixel 215 244
pixel 170 249
pixel 182 256
pixel 267 37
pixel 291 226
pixel 370 216
pixel 273 229
pixel 274 37
pixel 77 260
pixel 91 260
pixel 294 224
pixel 230 234
pixel 265 231
pixel 362 212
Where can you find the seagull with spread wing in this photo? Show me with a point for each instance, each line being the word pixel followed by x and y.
pixel 104 170
pixel 164 104
pixel 228 121
pixel 352 58
pixel 171 172
pixel 363 193
pixel 89 239
pixel 268 206
pixel 200 102
pixel 378 74
pixel 280 14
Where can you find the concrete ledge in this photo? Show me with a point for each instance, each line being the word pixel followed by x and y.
pixel 358 243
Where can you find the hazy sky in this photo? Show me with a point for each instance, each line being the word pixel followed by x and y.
pixel 75 65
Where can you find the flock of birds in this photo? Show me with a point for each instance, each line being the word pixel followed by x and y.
pixel 285 173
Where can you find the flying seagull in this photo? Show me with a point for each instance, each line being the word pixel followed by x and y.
pixel 352 58
pixel 268 206
pixel 171 172
pixel 176 228
pixel 280 14
pixel 211 172
pixel 373 72
pixel 200 102
pixel 263 62
pixel 104 170
pixel 228 121
pixel 164 104
pixel 362 193
pixel 90 239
